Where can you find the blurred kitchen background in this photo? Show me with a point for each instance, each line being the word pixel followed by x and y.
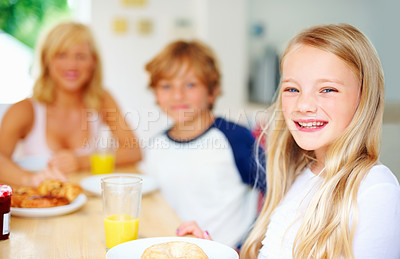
pixel 248 37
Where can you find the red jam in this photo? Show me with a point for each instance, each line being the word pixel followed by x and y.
pixel 5 215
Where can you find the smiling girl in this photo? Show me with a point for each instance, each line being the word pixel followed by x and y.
pixel 328 194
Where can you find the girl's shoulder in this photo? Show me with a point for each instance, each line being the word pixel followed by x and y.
pixel 379 178
pixel 381 174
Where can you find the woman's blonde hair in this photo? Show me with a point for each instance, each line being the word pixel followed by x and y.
pixel 189 55
pixel 325 231
pixel 58 39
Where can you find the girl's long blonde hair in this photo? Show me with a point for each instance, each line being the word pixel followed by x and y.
pixel 325 231
pixel 58 39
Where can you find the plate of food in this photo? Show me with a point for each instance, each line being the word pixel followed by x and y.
pixel 51 198
pixel 92 184
pixel 174 247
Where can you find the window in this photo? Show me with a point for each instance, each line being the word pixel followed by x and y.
pixel 20 24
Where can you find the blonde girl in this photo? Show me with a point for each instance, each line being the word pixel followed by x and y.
pixel 328 196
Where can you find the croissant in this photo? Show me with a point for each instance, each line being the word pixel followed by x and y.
pixel 50 193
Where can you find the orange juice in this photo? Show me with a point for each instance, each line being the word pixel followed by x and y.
pixel 102 163
pixel 119 229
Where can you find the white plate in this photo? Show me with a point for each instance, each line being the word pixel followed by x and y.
pixel 49 212
pixel 134 249
pixel 92 184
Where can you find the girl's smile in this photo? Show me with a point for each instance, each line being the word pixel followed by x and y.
pixel 320 94
pixel 310 125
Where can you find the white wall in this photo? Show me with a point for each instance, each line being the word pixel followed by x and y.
pixel 124 55
pixel 379 20
pixel 386 37
pixel 226 23
pixel 390 147
pixel 221 24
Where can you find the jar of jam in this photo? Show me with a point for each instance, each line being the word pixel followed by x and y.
pixel 5 215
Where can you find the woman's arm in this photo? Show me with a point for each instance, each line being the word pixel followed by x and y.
pixel 16 124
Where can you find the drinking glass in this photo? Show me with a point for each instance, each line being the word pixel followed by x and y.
pixel 122 196
pixel 103 159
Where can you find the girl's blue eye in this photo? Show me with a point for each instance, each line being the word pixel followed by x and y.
pixel 165 86
pixel 328 90
pixel 291 90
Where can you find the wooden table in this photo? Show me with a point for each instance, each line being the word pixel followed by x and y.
pixel 81 233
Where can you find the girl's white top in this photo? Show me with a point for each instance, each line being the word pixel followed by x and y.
pixel 378 230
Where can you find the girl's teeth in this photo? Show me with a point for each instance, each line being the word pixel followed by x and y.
pixel 314 124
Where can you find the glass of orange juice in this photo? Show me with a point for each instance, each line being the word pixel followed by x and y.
pixel 102 162
pixel 103 158
pixel 122 196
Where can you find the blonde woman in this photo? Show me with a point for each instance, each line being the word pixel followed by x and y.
pixel 67 110
pixel 328 196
